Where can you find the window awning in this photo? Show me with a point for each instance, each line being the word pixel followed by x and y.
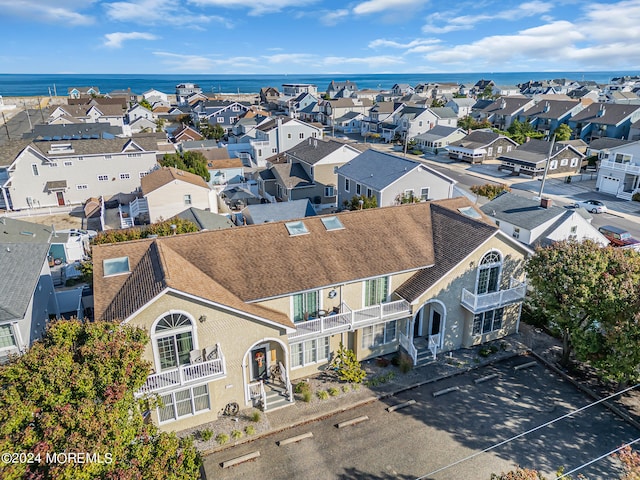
pixel 56 185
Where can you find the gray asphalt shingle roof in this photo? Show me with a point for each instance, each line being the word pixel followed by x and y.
pixel 312 150
pixel 520 211
pixel 377 169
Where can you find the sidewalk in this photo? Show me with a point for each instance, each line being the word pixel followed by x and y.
pixel 381 382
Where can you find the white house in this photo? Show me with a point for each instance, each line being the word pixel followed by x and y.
pixel 619 172
pixel 534 222
pixel 54 173
pixel 169 191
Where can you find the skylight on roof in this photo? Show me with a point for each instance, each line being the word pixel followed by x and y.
pixel 332 223
pixel 470 212
pixel 296 228
pixel 115 266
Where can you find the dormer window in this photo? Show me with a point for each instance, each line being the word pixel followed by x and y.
pixel 115 266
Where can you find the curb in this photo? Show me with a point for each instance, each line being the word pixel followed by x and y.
pixel 363 402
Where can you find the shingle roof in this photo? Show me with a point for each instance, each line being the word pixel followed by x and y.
pixel 166 175
pixel 148 142
pixel 444 112
pixel 455 236
pixel 520 211
pixel 312 150
pixel 437 132
pixel 603 143
pixel 507 105
pixel 280 211
pixel 551 108
pixel 10 150
pixel 478 139
pixel 291 175
pixel 205 220
pixel 606 114
pixel 377 169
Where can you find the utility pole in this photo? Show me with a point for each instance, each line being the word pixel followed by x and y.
pixel 28 117
pixel 4 120
pixel 546 167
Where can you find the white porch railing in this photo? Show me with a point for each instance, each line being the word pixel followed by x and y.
pixel 183 375
pixel 434 344
pixel 621 167
pixel 350 319
pixel 476 303
pixel 287 381
pixel 256 390
pixel 407 344
pixel 138 207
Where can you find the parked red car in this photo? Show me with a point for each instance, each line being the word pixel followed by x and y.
pixel 619 237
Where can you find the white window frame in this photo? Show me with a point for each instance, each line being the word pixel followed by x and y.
pixel 496 322
pixel 34 170
pixel 220 119
pixel 329 191
pixel 574 162
pixel 82 186
pixel 553 165
pixel 103 178
pixel 125 176
pixel 490 266
pixel 358 189
pixel 187 199
pixel 171 396
pixel 173 332
pixel 11 335
pixel 379 334
pixel 424 194
pixel 347 185
pixel 143 174
pixel 301 135
pixel 68 163
pixel 564 162
pixel 310 352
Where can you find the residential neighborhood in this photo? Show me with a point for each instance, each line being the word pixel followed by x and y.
pixel 312 238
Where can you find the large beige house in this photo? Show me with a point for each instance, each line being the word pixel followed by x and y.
pixel 228 310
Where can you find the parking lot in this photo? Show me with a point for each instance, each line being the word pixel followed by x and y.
pixel 432 437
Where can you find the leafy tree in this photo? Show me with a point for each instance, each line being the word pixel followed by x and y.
pixel 161 229
pixel 160 124
pixel 217 132
pixel 190 161
pixel 436 103
pixel 563 132
pixel 589 296
pixel 490 190
pixel 631 463
pixel 185 119
pixel 347 366
pixel 469 123
pixel 487 92
pixel 367 202
pixel 73 391
pixel 518 474
pixel 145 103
pixel 520 131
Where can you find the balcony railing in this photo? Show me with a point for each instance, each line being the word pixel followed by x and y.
pixel 623 167
pixel 350 319
pixel 184 375
pixel 480 302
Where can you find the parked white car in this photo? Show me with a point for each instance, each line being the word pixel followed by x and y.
pixel 593 206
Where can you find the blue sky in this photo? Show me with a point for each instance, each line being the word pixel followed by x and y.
pixel 312 36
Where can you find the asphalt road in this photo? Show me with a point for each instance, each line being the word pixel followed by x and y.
pixel 445 437
pixel 20 123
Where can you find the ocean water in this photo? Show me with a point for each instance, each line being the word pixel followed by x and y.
pixel 17 85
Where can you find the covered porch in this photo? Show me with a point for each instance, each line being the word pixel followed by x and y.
pixel 265 369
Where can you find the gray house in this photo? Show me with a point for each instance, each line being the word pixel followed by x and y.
pixel 27 298
pixel 391 180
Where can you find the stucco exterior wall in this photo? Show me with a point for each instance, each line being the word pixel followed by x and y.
pixel 168 201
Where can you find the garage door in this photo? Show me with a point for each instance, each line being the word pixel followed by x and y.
pixel 609 185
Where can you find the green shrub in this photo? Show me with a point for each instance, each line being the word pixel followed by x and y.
pixel 405 365
pixel 255 416
pixel 222 438
pixel 636 197
pixel 355 386
pixel 206 434
pixel 306 396
pixel 301 387
pixel 333 391
pixel 416 152
pixel 490 190
pixel 345 388
pixel 323 394
pixel 349 368
pixel 236 434
pixel 250 430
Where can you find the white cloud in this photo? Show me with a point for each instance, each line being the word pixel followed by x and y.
pixel 255 7
pixel 375 62
pixel 64 12
pixel 376 6
pixel 147 12
pixel 332 17
pixel 381 42
pixel 285 58
pixel 115 40
pixel 204 64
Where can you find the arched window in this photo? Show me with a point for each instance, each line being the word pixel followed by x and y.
pixel 173 335
pixel 489 273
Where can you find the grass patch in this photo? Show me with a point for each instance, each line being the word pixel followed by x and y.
pixel 236 434
pixel 206 434
pixel 333 391
pixel 345 388
pixel 323 394
pixel 306 396
pixel 222 438
pixel 250 430
pixel 301 388
pixel 255 416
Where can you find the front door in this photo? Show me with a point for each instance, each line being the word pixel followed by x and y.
pixel 258 363
pixel 60 196
pixel 434 324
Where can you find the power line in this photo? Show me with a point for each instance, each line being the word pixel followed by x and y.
pixel 564 475
pixel 496 445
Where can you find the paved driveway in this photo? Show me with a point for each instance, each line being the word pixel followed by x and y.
pixel 420 441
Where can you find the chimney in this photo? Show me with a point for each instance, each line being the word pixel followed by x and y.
pixel 545 202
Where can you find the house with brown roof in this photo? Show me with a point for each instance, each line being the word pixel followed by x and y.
pixel 434 277
pixel 169 191
pixel 480 145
